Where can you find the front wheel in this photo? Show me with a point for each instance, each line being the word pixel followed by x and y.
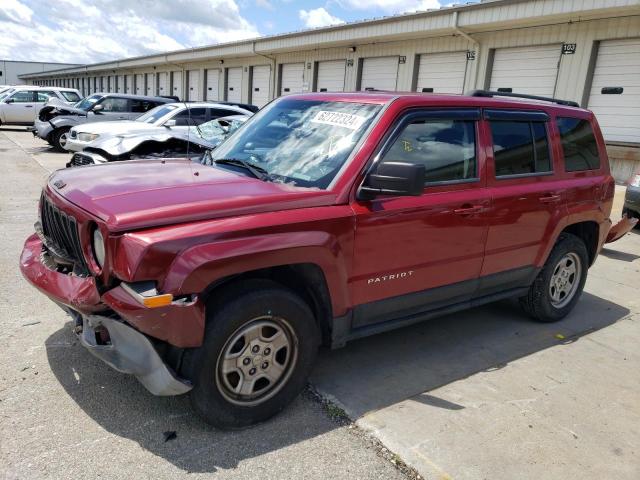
pixel 59 139
pixel 559 284
pixel 258 351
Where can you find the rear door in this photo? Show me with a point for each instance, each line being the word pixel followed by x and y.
pixel 292 78
pixel 260 85
pixel 615 90
pixel 528 198
pixel 234 84
pixel 330 76
pixel 532 70
pixel 442 72
pixel 414 254
pixel 379 73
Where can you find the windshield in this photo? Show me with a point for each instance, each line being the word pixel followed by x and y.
pixel 214 131
pixel 301 142
pixel 155 114
pixel 6 93
pixel 88 102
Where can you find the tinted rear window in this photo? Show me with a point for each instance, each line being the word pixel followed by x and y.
pixel 520 148
pixel 578 144
pixel 71 96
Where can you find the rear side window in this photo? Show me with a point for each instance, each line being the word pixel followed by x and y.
pixel 190 116
pixel 141 106
pixel 43 96
pixel 115 104
pixel 220 112
pixel 447 149
pixel 520 148
pixel 578 144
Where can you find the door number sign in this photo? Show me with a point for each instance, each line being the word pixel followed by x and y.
pixel 568 48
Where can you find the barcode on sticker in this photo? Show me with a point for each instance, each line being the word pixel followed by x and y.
pixel 338 119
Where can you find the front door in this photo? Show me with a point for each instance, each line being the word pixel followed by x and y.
pixel 20 107
pixel 414 254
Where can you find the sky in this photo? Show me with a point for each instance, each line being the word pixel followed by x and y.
pixel 91 31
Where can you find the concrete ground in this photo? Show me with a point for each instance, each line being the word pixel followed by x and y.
pixel 480 394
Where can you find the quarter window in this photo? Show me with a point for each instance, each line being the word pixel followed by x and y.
pixel 578 144
pixel 447 149
pixel 520 148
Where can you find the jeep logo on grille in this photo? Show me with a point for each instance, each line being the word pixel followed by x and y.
pixel 59 184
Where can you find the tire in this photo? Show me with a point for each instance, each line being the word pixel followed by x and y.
pixel 225 359
pixel 59 139
pixel 539 302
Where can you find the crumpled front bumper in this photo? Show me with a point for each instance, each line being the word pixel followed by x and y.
pixel 42 129
pixel 129 351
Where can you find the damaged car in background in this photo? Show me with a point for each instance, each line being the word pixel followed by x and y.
pixel 56 118
pixel 191 143
pixel 171 116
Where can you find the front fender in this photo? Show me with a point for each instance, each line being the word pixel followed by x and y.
pixel 195 268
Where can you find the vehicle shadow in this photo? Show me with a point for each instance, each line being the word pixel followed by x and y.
pixel 121 406
pixel 366 375
pixel 379 371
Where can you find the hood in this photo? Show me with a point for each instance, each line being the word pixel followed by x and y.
pixel 55 107
pixel 148 193
pixel 121 145
pixel 120 126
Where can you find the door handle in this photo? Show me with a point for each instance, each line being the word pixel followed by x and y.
pixel 28 106
pixel 468 210
pixel 550 199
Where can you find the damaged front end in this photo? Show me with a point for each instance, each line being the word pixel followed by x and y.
pixel 56 107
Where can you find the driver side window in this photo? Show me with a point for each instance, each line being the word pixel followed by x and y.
pixel 114 104
pixel 446 148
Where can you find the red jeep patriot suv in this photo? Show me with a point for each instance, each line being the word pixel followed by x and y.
pixel 326 217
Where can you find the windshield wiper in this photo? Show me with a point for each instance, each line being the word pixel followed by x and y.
pixel 256 170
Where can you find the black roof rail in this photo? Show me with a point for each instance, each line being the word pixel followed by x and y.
pixel 490 93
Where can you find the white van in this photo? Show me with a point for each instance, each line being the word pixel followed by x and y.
pixel 20 105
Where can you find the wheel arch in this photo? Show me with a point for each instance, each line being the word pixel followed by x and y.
pixel 589 232
pixel 305 279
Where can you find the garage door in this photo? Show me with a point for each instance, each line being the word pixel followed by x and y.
pixel 617 67
pixel 120 84
pixel 330 76
pixel 234 84
pixel 530 70
pixel 194 85
pixel 260 83
pixel 151 83
pixel 163 84
pixel 176 84
pixel 128 84
pixel 379 73
pixel 292 78
pixel 139 85
pixel 213 84
pixel 442 72
pixel 104 87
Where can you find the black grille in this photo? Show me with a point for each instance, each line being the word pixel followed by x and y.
pixel 60 235
pixel 80 159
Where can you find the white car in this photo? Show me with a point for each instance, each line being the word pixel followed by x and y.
pixel 20 105
pixel 175 116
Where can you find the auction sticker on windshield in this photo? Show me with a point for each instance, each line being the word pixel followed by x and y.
pixel 339 119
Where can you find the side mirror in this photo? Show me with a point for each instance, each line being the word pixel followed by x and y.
pixel 98 108
pixel 9 100
pixel 393 178
pixel 170 123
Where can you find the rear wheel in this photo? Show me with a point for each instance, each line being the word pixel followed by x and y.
pixel 258 351
pixel 559 284
pixel 59 139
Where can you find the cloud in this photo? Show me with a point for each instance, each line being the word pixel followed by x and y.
pixel 102 30
pixel 14 11
pixel 392 6
pixel 318 17
pixel 264 4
